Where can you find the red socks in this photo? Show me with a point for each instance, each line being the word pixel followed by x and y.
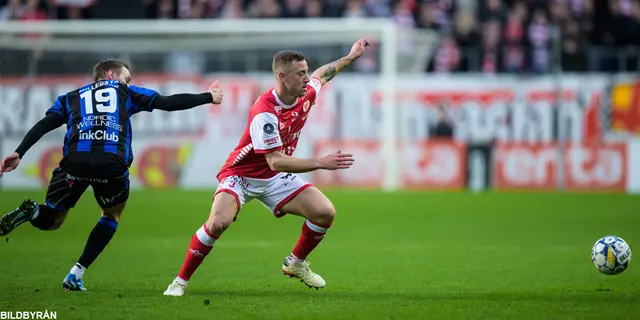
pixel 202 243
pixel 312 234
pixel 200 246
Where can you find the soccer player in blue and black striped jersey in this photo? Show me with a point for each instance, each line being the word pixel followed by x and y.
pixel 97 153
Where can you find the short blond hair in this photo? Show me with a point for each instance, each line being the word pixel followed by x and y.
pixel 283 59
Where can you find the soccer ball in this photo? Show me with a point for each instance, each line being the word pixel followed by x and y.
pixel 611 255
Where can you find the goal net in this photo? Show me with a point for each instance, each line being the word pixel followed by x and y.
pixel 356 111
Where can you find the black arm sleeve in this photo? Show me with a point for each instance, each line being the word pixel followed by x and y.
pixel 181 101
pixel 50 122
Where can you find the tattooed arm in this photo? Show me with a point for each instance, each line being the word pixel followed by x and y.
pixel 329 71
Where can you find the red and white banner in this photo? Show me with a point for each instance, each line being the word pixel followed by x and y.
pixel 501 108
pixel 602 166
pixel 428 164
pixel 525 116
pixel 595 166
pixel 526 166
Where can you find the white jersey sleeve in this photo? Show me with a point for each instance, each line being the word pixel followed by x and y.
pixel 316 84
pixel 265 135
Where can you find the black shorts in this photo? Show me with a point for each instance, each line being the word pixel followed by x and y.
pixel 106 173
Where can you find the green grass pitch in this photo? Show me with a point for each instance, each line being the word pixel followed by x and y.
pixel 409 255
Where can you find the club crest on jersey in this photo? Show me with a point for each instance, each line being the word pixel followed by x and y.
pixel 305 106
pixel 268 128
pixel 278 109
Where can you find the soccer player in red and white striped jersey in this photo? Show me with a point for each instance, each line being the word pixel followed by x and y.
pixel 262 167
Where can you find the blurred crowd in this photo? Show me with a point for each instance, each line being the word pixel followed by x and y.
pixel 507 36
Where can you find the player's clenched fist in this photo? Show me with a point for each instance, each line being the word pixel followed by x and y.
pixel 216 92
pixel 358 48
pixel 337 160
pixel 9 163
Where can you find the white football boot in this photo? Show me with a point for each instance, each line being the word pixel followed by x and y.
pixel 302 271
pixel 177 288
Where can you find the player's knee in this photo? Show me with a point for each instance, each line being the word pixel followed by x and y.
pixel 223 211
pixel 114 212
pixel 217 226
pixel 49 219
pixel 59 219
pixel 324 213
pixel 218 223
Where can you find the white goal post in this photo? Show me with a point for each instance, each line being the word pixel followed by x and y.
pixel 140 36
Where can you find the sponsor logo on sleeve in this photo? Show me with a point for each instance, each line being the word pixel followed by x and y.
pixel 270 141
pixel 268 128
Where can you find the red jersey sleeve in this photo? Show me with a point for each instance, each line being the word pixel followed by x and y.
pixel 264 132
pixel 316 84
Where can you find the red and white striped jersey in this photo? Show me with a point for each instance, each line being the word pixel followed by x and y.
pixel 272 126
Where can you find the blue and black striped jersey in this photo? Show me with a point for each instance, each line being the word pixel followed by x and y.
pixel 98 116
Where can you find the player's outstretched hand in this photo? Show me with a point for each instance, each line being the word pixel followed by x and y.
pixel 358 48
pixel 216 92
pixel 336 161
pixel 9 163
